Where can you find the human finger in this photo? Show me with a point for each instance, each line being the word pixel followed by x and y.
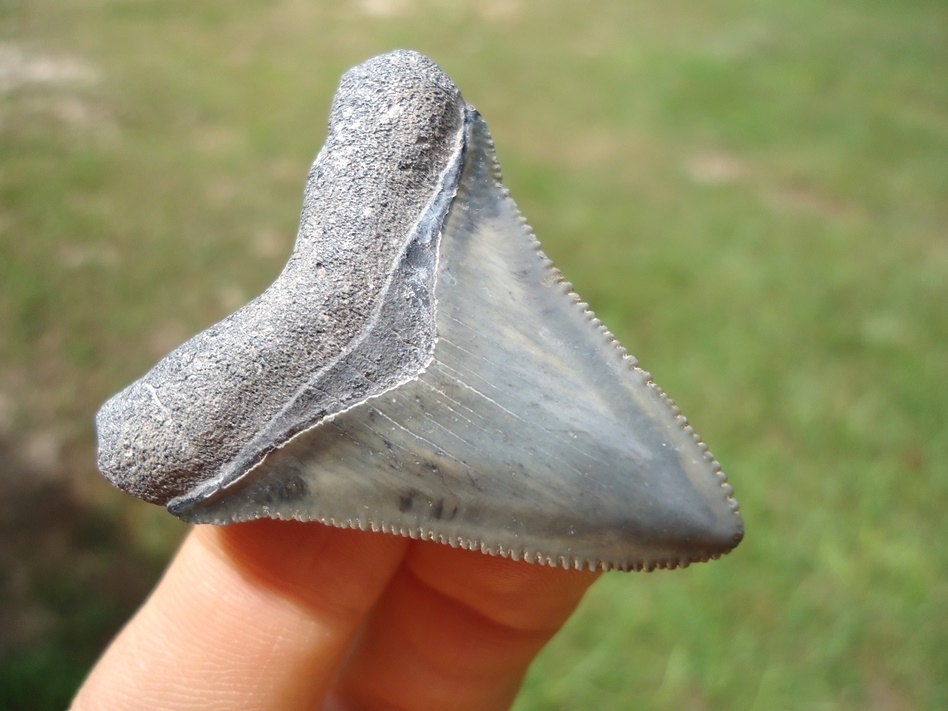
pixel 253 616
pixel 456 629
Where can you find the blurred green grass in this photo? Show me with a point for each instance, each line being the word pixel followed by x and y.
pixel 752 195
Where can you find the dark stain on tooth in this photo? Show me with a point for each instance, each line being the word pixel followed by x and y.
pixel 405 501
pixel 293 488
pixel 274 493
pixel 442 511
pixel 446 513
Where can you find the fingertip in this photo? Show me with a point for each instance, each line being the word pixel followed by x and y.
pixel 513 593
pixel 457 629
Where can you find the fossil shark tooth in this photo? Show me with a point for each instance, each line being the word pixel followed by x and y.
pixel 419 367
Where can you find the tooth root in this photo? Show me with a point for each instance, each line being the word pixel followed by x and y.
pixel 284 361
pixel 503 418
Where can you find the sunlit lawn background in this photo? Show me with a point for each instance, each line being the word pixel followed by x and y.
pixel 752 195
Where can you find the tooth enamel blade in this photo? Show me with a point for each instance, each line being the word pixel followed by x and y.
pixel 530 434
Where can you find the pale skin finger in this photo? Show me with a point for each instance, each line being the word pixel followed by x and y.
pixel 458 629
pixel 251 616
pixel 261 616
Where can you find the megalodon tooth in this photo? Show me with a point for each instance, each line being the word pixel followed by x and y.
pixel 419 367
